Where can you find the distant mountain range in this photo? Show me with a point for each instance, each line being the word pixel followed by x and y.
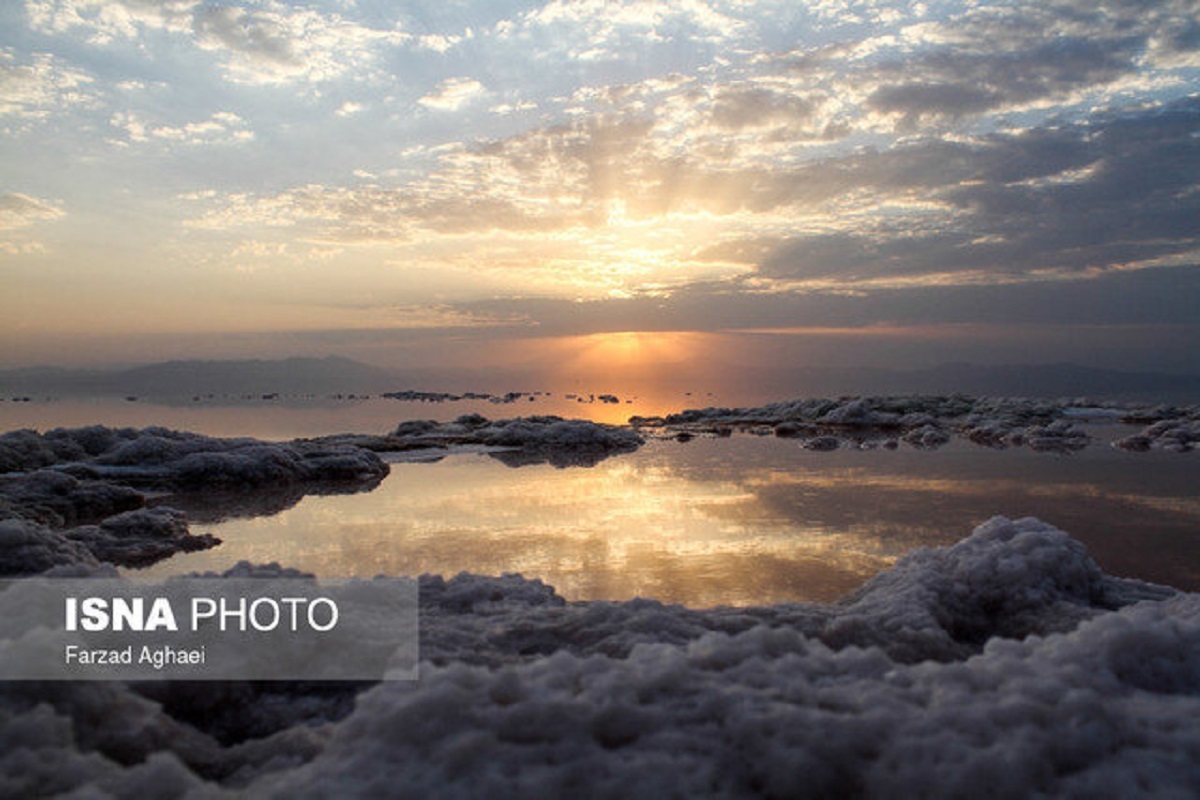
pixel 322 377
pixel 291 376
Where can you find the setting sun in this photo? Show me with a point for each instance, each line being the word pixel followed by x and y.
pixel 633 350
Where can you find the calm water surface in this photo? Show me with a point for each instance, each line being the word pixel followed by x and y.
pixel 743 520
pixel 291 418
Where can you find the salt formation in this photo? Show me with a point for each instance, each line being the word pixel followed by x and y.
pixel 1006 665
pixel 142 537
pixel 165 459
pixel 1177 435
pixel 72 496
pixel 415 396
pixel 58 499
pixel 931 421
pixel 30 548
pixel 524 440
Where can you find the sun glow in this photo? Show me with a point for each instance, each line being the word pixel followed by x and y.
pixel 647 372
pixel 624 352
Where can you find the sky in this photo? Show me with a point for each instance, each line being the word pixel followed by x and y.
pixel 460 181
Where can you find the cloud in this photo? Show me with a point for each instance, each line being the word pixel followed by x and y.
pixel 957 82
pixel 281 42
pixel 753 107
pixel 1111 193
pixel 859 12
pixel 1137 299
pixel 504 109
pixel 781 166
pixel 261 43
pixel 42 86
pixel 1119 191
pixel 442 43
pixel 370 213
pixel 326 213
pixel 593 29
pixel 454 93
pixel 21 211
pixel 103 21
pixel 1023 56
pixel 631 37
pixel 545 181
pixel 223 127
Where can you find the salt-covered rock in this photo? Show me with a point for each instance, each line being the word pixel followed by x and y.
pixel 140 538
pixel 927 436
pixel 58 499
pixel 530 440
pixel 926 421
pixel 1174 435
pixel 162 458
pixel 29 548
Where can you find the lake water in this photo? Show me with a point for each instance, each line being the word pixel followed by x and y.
pixel 743 520
pixel 293 417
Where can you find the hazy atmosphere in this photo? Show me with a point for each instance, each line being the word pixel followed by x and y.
pixel 467 183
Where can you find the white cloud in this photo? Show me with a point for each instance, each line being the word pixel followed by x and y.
pixel 223 127
pixel 453 93
pixel 606 16
pixel 362 213
pixel 442 43
pixel 105 20
pixel 41 86
pixel 280 42
pixel 259 43
pixel 504 109
pixel 21 211
pixel 18 212
pixel 690 121
pixel 614 30
pixel 860 12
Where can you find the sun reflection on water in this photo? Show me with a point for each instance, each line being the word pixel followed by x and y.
pixel 743 521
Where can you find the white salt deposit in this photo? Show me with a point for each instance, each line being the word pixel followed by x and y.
pixel 1176 435
pixel 141 537
pixel 931 421
pixel 68 496
pixel 528 440
pixel 161 458
pixel 1006 665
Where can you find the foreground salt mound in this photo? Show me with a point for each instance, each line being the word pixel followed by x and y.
pixel 1108 710
pixel 1008 579
pixel 748 703
pixel 1007 665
